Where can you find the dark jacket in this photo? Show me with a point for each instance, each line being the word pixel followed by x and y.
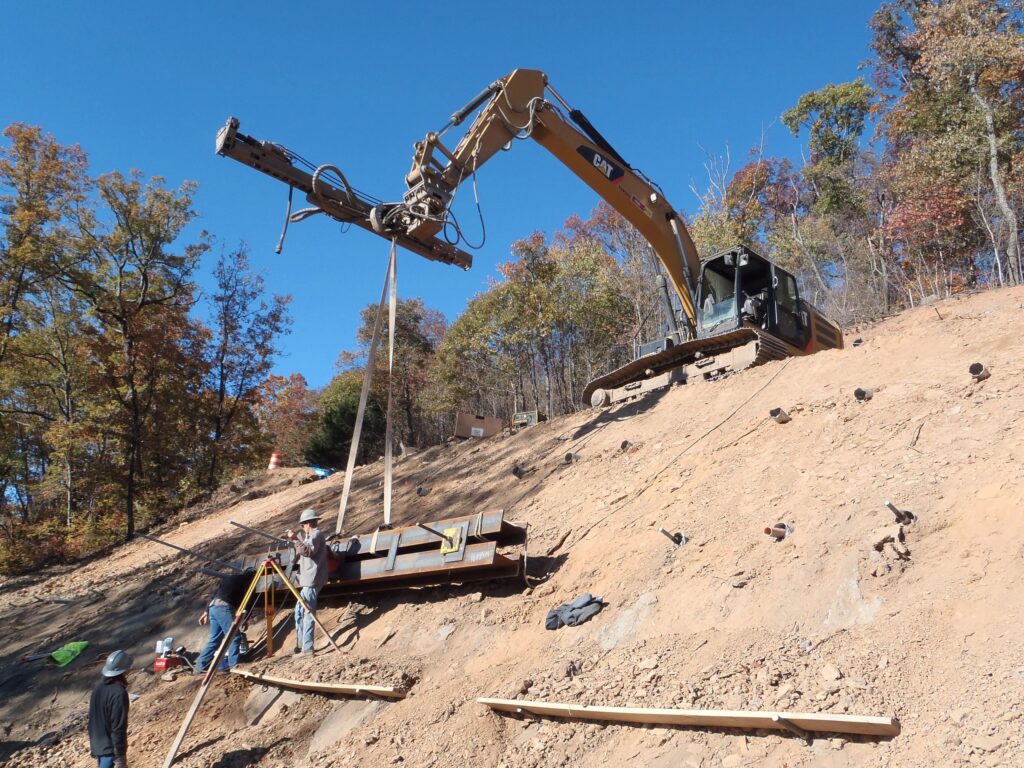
pixel 232 588
pixel 108 718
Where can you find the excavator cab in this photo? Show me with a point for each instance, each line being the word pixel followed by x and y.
pixel 738 288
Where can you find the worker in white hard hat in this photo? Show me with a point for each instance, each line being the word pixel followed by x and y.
pixel 108 713
pixel 311 549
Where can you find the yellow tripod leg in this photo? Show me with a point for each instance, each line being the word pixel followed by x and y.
pixel 302 602
pixel 268 612
pixel 208 678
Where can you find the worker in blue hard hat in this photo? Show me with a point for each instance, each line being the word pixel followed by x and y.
pixel 108 713
pixel 311 550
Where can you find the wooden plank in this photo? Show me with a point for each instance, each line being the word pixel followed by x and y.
pixel 710 718
pixel 384 691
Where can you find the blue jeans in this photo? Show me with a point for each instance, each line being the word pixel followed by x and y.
pixel 221 619
pixel 107 761
pixel 304 619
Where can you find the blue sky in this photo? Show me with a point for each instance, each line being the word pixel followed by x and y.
pixel 355 84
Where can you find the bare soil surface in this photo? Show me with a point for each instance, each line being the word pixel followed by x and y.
pixel 849 614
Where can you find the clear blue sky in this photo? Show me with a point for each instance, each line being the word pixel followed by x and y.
pixel 147 85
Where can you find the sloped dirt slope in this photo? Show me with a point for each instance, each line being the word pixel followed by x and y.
pixel 842 616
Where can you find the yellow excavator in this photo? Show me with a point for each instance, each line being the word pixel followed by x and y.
pixel 738 309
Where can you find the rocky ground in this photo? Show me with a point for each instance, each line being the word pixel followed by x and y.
pixel 851 613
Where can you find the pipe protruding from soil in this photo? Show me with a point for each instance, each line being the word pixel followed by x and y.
pixel 862 394
pixel 779 415
pixel 678 538
pixel 978 371
pixel 779 531
pixel 903 516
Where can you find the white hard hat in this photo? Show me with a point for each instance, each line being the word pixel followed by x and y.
pixel 309 514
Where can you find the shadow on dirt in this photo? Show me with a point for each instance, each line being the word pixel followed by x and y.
pixel 242 758
pixel 621 412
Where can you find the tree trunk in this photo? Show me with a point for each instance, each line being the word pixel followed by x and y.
pixel 1009 215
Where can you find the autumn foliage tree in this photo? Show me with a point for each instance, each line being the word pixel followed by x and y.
pixel 115 398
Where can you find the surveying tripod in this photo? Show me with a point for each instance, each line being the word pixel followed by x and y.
pixel 267 570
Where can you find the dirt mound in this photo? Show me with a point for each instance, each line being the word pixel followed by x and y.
pixel 851 613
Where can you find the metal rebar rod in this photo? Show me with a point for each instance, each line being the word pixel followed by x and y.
pixel 258 532
pixel 436 532
pixel 790 726
pixel 191 552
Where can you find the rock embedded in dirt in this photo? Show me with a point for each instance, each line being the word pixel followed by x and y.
pixel 986 743
pixel 830 672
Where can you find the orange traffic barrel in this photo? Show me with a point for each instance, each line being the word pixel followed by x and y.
pixel 275 462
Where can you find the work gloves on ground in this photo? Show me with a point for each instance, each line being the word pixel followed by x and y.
pixel 575 613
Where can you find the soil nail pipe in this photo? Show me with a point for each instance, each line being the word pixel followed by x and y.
pixel 779 531
pixel 571 457
pixel 518 471
pixel 863 395
pixel 902 515
pixel 625 445
pixel 979 372
pixel 779 415
pixel 676 538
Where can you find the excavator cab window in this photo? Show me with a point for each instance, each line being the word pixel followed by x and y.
pixel 789 321
pixel 734 287
pixel 755 290
pixel 717 296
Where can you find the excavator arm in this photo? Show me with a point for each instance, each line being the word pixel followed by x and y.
pixel 326 188
pixel 513 107
pixel 516 107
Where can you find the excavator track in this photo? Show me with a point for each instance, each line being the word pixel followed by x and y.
pixel 767 348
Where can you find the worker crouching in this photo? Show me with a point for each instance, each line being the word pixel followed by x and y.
pixel 311 550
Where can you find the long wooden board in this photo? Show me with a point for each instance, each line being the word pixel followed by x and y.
pixel 385 691
pixel 711 718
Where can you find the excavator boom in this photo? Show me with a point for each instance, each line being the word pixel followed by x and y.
pixel 516 108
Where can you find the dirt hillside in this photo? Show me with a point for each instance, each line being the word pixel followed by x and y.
pixel 843 616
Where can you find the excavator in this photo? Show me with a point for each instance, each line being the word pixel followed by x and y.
pixel 737 308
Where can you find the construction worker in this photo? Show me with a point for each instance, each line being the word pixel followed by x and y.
pixel 312 552
pixel 220 614
pixel 108 713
